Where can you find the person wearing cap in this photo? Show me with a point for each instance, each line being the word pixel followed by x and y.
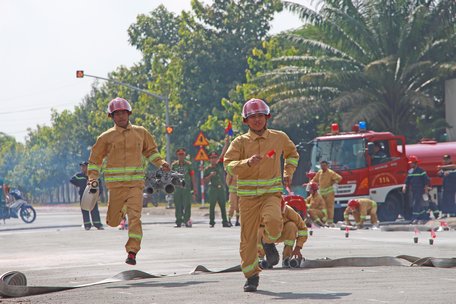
pixel 448 172
pixel 183 195
pixel 121 151
pixel 360 208
pixel 379 155
pixel 326 179
pixel 214 177
pixel 416 184
pixel 316 206
pixel 79 180
pixel 255 158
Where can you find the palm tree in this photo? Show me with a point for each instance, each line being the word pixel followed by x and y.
pixel 383 61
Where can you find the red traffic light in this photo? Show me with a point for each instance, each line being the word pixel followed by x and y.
pixel 169 129
pixel 79 74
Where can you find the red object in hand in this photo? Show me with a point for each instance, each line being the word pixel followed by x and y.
pixel 433 235
pixel 270 154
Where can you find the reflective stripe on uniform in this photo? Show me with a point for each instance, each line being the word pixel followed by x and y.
pixel 292 161
pixel 250 267
pixel 288 242
pixel 93 167
pixel 123 178
pixel 256 192
pixel 327 190
pixel 125 170
pixel 259 182
pixel 272 238
pixel 229 169
pixel 135 236
pixel 302 233
pixel 417 174
pixel 250 187
pixel 154 157
pixel 80 177
pixel 363 217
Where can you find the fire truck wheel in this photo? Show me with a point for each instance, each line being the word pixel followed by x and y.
pixel 389 211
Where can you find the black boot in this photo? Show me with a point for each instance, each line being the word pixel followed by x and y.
pixel 272 255
pixel 237 221
pixel 131 258
pixel 252 284
pixel 226 224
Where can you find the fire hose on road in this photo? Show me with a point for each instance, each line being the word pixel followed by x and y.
pixel 13 284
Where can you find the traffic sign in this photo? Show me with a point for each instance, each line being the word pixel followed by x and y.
pixel 201 155
pixel 201 140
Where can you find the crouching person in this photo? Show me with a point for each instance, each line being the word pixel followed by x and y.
pixel 360 208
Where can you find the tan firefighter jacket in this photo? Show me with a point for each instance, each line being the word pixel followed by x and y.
pixel 264 178
pixel 288 215
pixel 326 180
pixel 124 150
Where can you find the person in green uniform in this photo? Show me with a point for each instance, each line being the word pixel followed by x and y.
pixel 183 196
pixel 214 177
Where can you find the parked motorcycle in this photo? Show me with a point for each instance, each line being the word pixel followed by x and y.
pixel 16 207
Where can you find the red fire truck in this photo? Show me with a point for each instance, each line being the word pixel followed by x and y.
pixel 353 156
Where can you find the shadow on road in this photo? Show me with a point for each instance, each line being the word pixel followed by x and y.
pixel 310 296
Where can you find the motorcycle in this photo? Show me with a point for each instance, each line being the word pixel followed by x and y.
pixel 16 207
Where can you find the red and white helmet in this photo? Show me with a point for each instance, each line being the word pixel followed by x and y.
pixel 118 104
pixel 413 159
pixel 255 106
pixel 353 204
pixel 313 187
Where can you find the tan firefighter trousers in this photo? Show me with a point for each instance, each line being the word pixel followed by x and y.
pixel 131 198
pixel 329 202
pixel 263 209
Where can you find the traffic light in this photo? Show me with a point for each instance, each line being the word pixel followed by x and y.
pixel 169 130
pixel 79 74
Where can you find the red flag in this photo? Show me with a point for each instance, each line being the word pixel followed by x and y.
pixel 229 129
pixel 443 224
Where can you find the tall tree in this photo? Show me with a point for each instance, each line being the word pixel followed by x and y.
pixel 383 61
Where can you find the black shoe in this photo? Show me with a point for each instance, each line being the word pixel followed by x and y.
pixel 238 224
pixel 251 284
pixel 211 225
pixel 131 258
pixel 177 226
pixel 272 255
pixel 100 228
pixel 87 227
pixel 226 224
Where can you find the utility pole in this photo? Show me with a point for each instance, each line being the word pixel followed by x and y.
pixel 81 74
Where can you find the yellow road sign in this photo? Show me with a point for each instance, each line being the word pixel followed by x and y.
pixel 201 155
pixel 201 140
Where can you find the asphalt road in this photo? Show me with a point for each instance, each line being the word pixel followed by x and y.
pixel 56 251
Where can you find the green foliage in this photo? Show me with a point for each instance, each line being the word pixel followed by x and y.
pixel 383 61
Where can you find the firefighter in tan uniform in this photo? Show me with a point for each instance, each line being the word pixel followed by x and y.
pixel 360 208
pixel 326 178
pixel 254 158
pixel 294 233
pixel 316 206
pixel 123 147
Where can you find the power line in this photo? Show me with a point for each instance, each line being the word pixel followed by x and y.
pixel 35 109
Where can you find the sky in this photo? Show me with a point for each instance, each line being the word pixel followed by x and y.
pixel 44 42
